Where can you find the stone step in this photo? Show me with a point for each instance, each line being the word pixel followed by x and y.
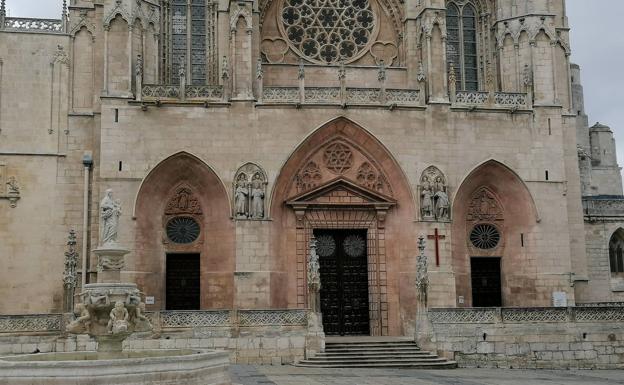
pixel 414 365
pixel 371 343
pixel 375 354
pixel 375 349
pixel 375 359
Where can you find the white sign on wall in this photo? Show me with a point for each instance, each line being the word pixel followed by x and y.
pixel 149 300
pixel 560 299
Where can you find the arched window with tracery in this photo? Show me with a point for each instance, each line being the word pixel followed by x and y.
pixel 461 48
pixel 616 251
pixel 189 41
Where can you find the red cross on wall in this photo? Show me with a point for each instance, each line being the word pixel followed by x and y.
pixel 436 237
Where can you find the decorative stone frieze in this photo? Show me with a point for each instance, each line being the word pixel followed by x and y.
pixel 272 317
pixel 31 323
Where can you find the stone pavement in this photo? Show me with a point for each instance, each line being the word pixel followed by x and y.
pixel 289 375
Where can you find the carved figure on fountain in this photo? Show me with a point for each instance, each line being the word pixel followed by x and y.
pixel 118 321
pixel 83 321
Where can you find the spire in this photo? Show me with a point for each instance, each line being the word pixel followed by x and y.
pixel 64 17
pixel 2 13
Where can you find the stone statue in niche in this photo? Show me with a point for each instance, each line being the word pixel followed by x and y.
pixel 250 183
pixel 426 202
pixel 434 199
pixel 110 210
pixel 240 196
pixel 257 197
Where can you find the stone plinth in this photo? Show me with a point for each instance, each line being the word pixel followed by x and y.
pixel 110 262
pixel 154 367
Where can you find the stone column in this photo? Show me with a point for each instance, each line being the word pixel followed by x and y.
pixel 424 334
pixel 301 77
pixel 259 80
pixel 315 339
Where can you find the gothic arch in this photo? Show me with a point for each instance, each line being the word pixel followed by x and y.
pixel 616 251
pixel 348 131
pixel 216 249
pixel 351 181
pixel 514 214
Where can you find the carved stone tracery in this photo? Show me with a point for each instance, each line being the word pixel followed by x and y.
pixel 331 32
pixel 338 157
pixel 341 158
pixel 309 177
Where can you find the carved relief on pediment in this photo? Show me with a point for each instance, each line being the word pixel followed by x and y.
pixel 183 201
pixel 340 158
pixel 484 206
pixel 309 177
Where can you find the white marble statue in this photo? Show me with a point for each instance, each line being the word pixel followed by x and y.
pixel 110 210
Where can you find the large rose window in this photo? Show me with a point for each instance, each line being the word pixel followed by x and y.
pixel 328 31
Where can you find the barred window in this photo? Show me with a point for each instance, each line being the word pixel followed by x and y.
pixel 461 51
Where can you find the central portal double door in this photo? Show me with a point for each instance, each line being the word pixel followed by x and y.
pixel 343 259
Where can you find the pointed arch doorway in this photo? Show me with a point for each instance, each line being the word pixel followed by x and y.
pixel 341 182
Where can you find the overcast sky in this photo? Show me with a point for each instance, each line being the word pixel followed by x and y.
pixel 597 46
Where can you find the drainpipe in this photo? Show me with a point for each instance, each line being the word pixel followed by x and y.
pixel 87 161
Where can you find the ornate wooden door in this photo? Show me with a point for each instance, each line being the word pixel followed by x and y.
pixel 182 282
pixel 343 259
pixel 486 282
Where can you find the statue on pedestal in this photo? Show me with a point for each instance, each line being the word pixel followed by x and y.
pixel 110 210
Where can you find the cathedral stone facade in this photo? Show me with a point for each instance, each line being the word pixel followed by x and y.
pixel 235 133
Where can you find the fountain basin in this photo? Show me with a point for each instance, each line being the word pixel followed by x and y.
pixel 130 367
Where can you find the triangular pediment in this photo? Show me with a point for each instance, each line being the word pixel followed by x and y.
pixel 341 192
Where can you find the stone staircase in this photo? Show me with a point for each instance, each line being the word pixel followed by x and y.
pixel 375 353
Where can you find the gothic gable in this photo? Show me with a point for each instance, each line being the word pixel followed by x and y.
pixel 341 192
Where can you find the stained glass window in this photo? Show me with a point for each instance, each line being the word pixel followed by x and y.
pixel 461 49
pixel 453 50
pixel 178 38
pixel 198 42
pixel 189 44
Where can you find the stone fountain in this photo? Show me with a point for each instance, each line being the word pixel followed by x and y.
pixel 110 311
